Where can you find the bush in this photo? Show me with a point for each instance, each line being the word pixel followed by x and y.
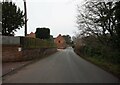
pixel 27 42
pixel 42 33
pixel 99 51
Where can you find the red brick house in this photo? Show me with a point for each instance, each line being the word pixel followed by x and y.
pixel 32 35
pixel 60 42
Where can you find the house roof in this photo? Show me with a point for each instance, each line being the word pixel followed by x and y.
pixel 59 37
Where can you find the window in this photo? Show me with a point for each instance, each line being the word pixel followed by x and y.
pixel 59 41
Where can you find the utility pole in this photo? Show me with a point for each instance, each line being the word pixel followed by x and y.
pixel 25 9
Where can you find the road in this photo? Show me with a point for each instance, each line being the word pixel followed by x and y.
pixel 62 67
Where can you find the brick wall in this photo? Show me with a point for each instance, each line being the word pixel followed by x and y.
pixel 10 50
pixel 10 53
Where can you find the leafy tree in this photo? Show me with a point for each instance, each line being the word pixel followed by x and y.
pixel 67 39
pixel 42 33
pixel 12 18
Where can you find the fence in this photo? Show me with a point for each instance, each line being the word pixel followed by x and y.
pixel 27 42
pixel 10 40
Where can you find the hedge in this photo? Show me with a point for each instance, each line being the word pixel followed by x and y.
pixel 27 42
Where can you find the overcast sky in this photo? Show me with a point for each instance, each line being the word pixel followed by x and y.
pixel 58 15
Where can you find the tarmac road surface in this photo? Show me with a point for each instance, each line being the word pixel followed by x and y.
pixel 62 67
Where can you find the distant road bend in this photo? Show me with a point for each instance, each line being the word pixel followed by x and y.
pixel 62 67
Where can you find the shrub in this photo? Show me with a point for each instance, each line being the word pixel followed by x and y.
pixel 42 33
pixel 27 42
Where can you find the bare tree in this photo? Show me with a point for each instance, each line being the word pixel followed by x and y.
pixel 97 17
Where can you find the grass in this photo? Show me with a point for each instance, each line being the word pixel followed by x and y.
pixel 112 68
pixel 107 66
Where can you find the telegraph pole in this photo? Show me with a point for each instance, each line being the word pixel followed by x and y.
pixel 25 9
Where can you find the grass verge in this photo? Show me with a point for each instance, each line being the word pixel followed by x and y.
pixel 107 66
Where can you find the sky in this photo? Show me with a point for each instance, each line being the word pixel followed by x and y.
pixel 57 15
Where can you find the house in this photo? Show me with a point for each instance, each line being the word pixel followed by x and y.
pixel 32 35
pixel 60 42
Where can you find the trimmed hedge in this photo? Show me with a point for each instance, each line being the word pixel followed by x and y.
pixel 27 42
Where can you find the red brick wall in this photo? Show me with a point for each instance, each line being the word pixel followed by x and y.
pixel 11 53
